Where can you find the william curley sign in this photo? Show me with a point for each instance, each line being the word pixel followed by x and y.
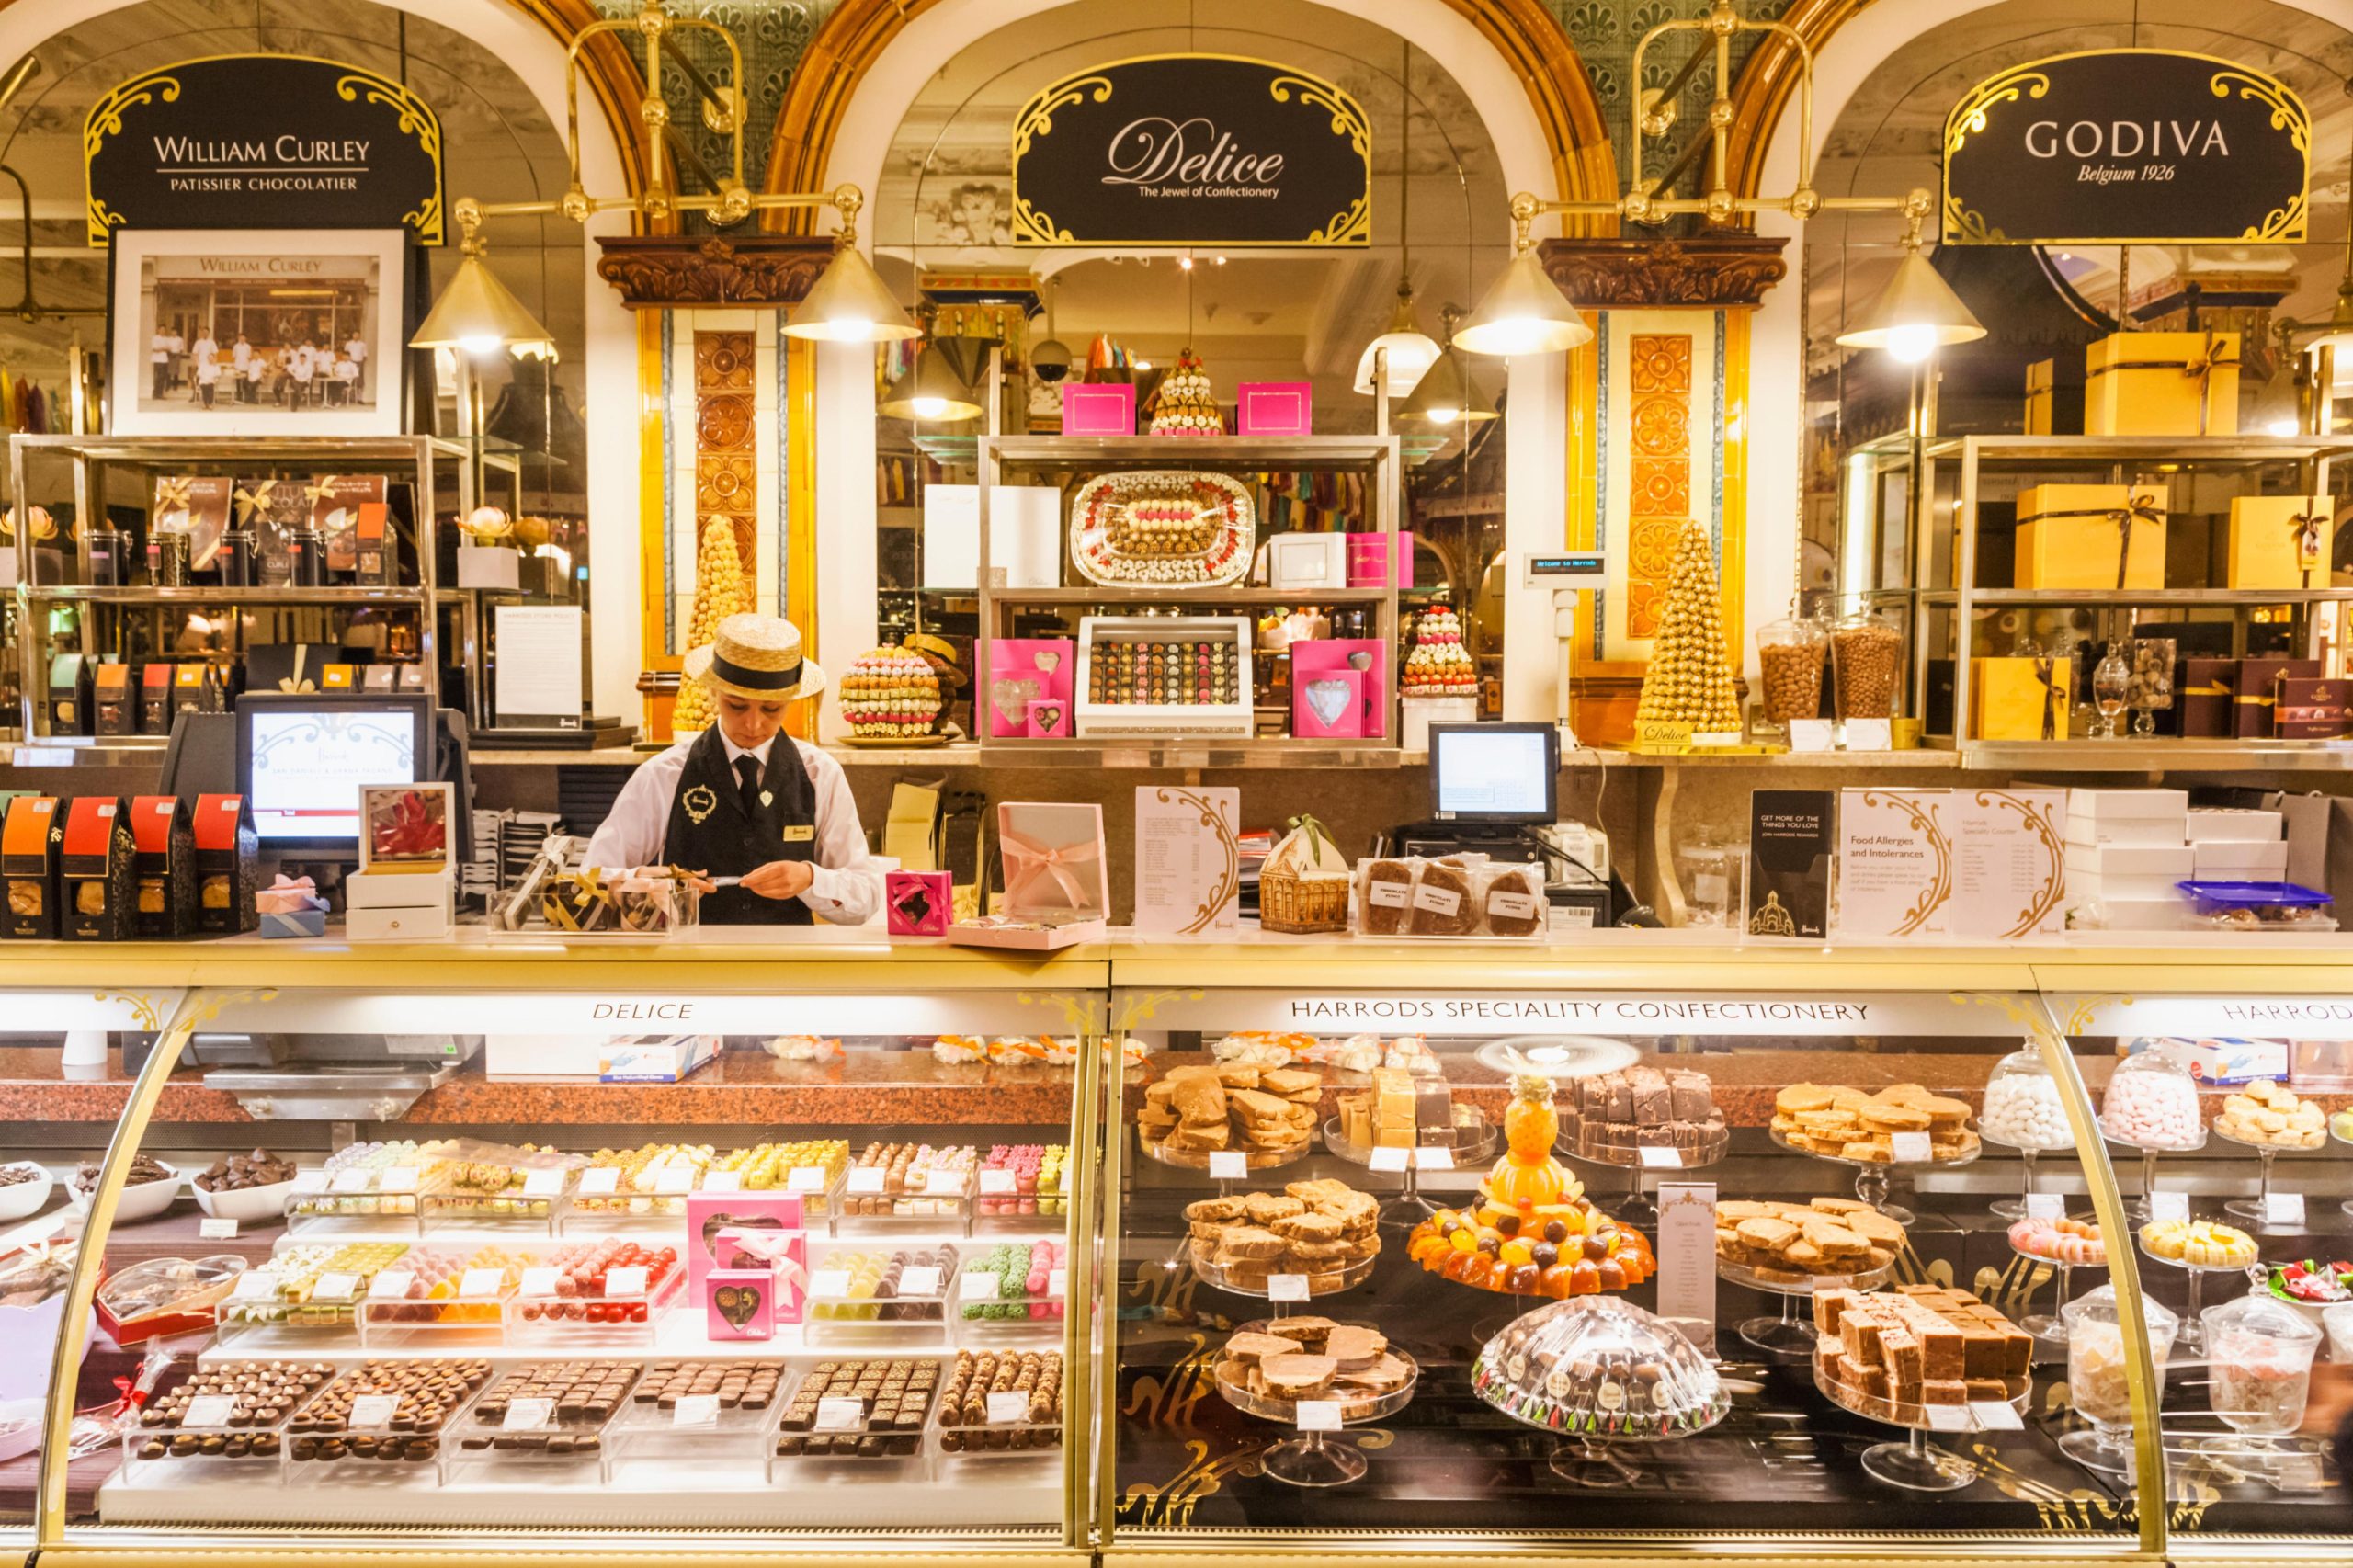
pixel 263 142
pixel 1188 150
pixel 2126 144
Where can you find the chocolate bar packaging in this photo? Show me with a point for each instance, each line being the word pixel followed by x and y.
pixel 228 864
pixel 114 700
pixel 155 698
pixel 2256 693
pixel 69 695
pixel 196 507
pixel 2312 710
pixel 337 501
pixel 196 688
pixel 371 547
pixel 31 841
pixel 100 871
pixel 377 677
pixel 2202 689
pixel 166 864
pixel 273 511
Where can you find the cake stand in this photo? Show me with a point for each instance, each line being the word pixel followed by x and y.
pixel 2015 1208
pixel 2137 1208
pixel 2051 1326
pixel 1916 1464
pixel 1636 1161
pixel 1871 1175
pixel 1198 1160
pixel 2193 1332
pixel 2253 1210
pixel 1403 1210
pixel 1354 1273
pixel 1309 1459
pixel 1788 1335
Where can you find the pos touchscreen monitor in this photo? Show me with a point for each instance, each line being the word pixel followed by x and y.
pixel 1494 773
pixel 302 758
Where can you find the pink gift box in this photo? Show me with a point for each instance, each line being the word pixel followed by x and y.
pixel 1057 890
pixel 1276 408
pixel 916 903
pixel 1370 565
pixel 1021 671
pixel 743 1304
pixel 1364 658
pixel 1104 408
pixel 709 1213
pixel 1048 716
pixel 779 1257
pixel 1330 702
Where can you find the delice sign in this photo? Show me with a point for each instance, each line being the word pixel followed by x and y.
pixel 2130 144
pixel 1192 149
pixel 263 142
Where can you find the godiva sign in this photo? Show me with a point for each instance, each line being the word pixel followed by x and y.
pixel 1192 149
pixel 2148 145
pixel 263 142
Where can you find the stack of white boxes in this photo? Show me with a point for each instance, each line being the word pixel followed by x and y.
pixel 382 904
pixel 2127 849
pixel 2238 847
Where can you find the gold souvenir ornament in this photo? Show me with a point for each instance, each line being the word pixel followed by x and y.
pixel 700 802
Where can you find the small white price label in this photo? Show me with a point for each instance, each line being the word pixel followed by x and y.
pixel 866 1180
pixel 392 1285
pixel 1656 1159
pixel 208 1410
pixel 337 1287
pixel 674 1179
pixel 217 1229
pixel 625 1282
pixel 829 1284
pixel 1319 1414
pixel 2046 1206
pixel 1387 1159
pixel 528 1414
pixel 1995 1416
pixel 373 1412
pixel 480 1282
pixel 806 1178
pixel 1431 1159
pixel 1009 1409
pixel 1286 1287
pixel 2168 1206
pixel 1057 1283
pixel 996 1183
pixel 943 1184
pixel 840 1414
pixel 722 1181
pixel 252 1285
pixel 694 1410
pixel 543 1184
pixel 398 1178
pixel 1229 1164
pixel 980 1286
pixel 308 1182
pixel 350 1181
pixel 919 1282
pixel 1809 734
pixel 1911 1148
pixel 2283 1208
pixel 537 1282
pixel 1948 1417
pixel 602 1182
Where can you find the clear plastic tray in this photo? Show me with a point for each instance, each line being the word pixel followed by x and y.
pixel 906 1456
pixel 548 1455
pixel 557 1322
pixel 920 1207
pixel 982 1317
pixel 333 1204
pixel 957 1447
pixel 834 1316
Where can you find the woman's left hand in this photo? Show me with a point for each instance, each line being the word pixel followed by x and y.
pixel 780 878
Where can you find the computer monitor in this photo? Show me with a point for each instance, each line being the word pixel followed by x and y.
pixel 302 758
pixel 1496 773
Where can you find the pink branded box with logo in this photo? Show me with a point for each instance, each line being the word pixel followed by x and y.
pixel 776 1214
pixel 1370 565
pixel 1340 685
pixel 762 1280
pixel 1275 408
pixel 1107 408
pixel 1025 670
pixel 918 903
pixel 1057 891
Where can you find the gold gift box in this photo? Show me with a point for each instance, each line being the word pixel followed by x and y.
pixel 2038 397
pixel 2091 536
pixel 2009 699
pixel 2162 383
pixel 2278 542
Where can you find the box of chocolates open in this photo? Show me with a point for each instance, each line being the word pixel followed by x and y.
pixel 381 1421
pixel 880 1295
pixel 1165 675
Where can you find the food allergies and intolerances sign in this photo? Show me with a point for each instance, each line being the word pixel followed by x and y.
pixel 2145 145
pixel 263 142
pixel 1192 149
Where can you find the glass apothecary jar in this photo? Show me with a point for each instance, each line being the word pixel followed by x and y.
pixel 1709 872
pixel 2260 1373
pixel 2099 1376
pixel 1790 657
pixel 2023 1111
pixel 1865 651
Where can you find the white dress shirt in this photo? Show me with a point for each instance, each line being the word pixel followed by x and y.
pixel 843 889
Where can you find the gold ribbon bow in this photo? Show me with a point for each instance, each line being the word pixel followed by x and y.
pixel 577 902
pixel 2202 365
pixel 297 682
pixel 256 500
pixel 2308 528
pixel 172 495
pixel 2047 672
pixel 315 494
pixel 2136 508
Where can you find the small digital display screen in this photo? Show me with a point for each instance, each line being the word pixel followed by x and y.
pixel 306 765
pixel 1493 772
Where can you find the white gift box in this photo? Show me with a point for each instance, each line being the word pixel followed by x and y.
pixel 1057 888
pixel 399 923
pixel 2128 817
pixel 2144 914
pixel 400 890
pixel 2216 825
pixel 1421 713
pixel 2127 870
pixel 489 566
pixel 2238 862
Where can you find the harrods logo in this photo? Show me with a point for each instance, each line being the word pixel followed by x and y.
pixel 1192 149
pixel 2147 146
pixel 263 142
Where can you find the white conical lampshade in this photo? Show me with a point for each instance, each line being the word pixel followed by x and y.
pixel 1524 312
pixel 849 304
pixel 1914 315
pixel 1411 352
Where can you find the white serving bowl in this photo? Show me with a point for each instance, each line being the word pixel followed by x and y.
pixel 141 1202
pixel 247 1206
pixel 25 1198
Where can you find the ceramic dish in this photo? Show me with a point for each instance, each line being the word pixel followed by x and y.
pixel 141 1202
pixel 25 1198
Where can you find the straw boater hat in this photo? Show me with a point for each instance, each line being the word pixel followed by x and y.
pixel 757 657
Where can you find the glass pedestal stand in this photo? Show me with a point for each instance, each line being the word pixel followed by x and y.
pixel 1873 1177
pixel 2100 1447
pixel 2136 1208
pixel 1311 1458
pixel 1403 1210
pixel 2193 1332
pixel 1916 1464
pixel 2253 1210
pixel 2051 1327
pixel 1789 1336
pixel 1636 1202
pixel 2015 1208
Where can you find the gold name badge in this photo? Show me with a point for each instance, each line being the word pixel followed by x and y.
pixel 800 833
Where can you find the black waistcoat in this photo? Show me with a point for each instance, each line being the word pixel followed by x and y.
pixel 710 832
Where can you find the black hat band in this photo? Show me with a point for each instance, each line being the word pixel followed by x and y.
pixel 734 674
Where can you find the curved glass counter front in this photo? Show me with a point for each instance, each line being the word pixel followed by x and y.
pixel 1575 1252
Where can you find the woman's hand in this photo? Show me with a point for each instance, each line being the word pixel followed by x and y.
pixel 780 878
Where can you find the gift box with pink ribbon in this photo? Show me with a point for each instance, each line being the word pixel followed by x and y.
pixel 290 906
pixel 1056 887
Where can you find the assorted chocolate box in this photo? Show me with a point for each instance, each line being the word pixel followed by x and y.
pixel 167 866
pixel 31 841
pixel 100 871
pixel 228 855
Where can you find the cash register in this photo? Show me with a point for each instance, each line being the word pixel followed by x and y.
pixel 1494 791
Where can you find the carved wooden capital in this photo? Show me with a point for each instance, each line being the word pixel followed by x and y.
pixel 1704 270
pixel 654 271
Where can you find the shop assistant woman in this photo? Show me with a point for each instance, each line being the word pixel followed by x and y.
pixel 744 800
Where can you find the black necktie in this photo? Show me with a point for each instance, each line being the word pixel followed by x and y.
pixel 747 774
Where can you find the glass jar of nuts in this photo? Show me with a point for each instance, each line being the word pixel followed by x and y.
pixel 2151 689
pixel 1790 655
pixel 1865 651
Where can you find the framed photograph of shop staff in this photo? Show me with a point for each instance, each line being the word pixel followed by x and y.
pixel 220 332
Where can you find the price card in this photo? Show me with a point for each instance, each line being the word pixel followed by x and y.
pixel 1809 734
pixel 997 1183
pixel 373 1412
pixel 527 1415
pixel 840 1414
pixel 1057 1283
pixel 806 1178
pixel 1009 1409
pixel 625 1282
pixel 208 1410
pixel 694 1410
pixel 1912 1148
pixel 392 1285
pixel 1660 1159
pixel 2168 1206
pixel 1387 1159
pixel 2283 1208
pixel 398 1178
pixel 1995 1416
pixel 601 1182
pixel 829 1284
pixel 543 1184
pixel 352 1181
pixel 252 1285
pixel 337 1287
pixel 308 1182
pixel 1434 1159
pixel 980 1286
pixel 943 1184
pixel 1319 1414
pixel 868 1180
pixel 537 1282
pixel 217 1229
pixel 1229 1164
pixel 479 1282
pixel 673 1180
pixel 1286 1287
pixel 1949 1418
pixel 722 1181
pixel 919 1282
pixel 2046 1206
pixel 1871 734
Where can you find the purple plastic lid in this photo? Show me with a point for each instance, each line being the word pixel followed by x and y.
pixel 2253 895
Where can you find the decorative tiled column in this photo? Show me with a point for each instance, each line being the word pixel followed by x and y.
pixel 726 468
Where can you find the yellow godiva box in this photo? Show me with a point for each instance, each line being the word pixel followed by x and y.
pixel 2278 542
pixel 2091 536
pixel 2038 397
pixel 2162 383
pixel 2012 700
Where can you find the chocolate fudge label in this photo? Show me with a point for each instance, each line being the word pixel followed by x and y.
pixel 1438 901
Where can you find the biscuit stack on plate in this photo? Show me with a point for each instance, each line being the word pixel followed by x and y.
pixel 1267 1112
pixel 1313 1357
pixel 1848 1124
pixel 1791 1243
pixel 1316 1228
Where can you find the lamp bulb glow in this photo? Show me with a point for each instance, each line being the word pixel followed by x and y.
pixel 1444 415
pixel 2282 427
pixel 1910 345
pixel 930 407
pixel 481 343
